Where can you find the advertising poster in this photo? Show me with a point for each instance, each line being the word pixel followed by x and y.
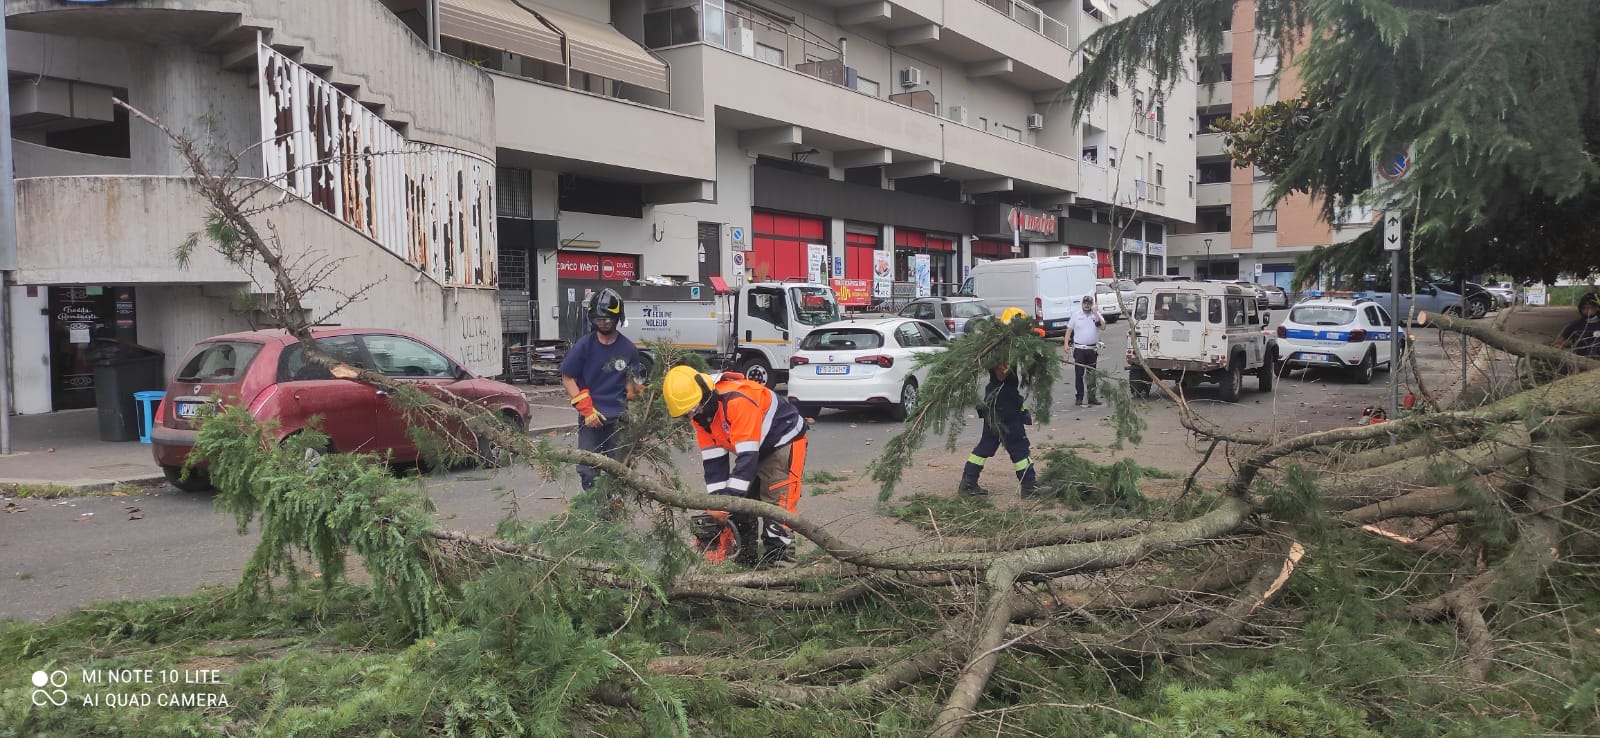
pixel 852 292
pixel 818 262
pixel 922 274
pixel 882 275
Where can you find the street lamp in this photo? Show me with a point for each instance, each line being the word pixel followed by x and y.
pixel 1208 258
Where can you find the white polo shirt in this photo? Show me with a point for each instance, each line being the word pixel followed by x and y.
pixel 1085 328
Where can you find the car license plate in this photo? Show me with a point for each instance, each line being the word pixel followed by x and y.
pixel 833 368
pixel 1144 344
pixel 189 410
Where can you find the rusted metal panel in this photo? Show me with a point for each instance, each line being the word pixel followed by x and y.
pixel 430 205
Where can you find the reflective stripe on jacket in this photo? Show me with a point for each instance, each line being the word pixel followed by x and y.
pixel 749 421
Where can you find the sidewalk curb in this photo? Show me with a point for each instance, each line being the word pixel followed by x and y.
pixel 91 486
pixel 540 430
pixel 79 487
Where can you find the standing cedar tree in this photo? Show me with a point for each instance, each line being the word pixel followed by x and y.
pixel 1498 101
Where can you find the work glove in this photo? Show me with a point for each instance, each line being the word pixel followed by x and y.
pixel 633 390
pixel 585 405
pixel 1037 331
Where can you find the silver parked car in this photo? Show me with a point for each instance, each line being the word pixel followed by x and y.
pixel 1429 298
pixel 948 314
pixel 1276 296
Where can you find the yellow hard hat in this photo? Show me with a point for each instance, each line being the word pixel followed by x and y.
pixel 684 389
pixel 1012 313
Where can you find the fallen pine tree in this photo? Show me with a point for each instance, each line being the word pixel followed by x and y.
pixel 1428 574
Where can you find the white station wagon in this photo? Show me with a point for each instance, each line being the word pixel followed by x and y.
pixel 1338 333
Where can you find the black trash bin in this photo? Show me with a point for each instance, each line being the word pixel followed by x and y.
pixel 121 369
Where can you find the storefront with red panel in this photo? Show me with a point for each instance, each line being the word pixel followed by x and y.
pixel 941 251
pixel 1102 259
pixel 862 242
pixel 991 249
pixel 778 245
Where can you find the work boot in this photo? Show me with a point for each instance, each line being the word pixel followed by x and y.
pixel 776 553
pixel 1030 489
pixel 745 531
pixel 970 488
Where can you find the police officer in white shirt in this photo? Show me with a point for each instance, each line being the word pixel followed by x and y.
pixel 1083 339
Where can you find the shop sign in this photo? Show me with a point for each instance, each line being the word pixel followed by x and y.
pixel 1032 221
pixel 607 267
pixel 577 266
pixel 853 292
pixel 1034 226
pixel 617 268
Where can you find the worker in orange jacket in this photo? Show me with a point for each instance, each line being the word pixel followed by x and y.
pixel 753 444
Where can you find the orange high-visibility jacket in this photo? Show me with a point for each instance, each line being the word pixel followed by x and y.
pixel 749 421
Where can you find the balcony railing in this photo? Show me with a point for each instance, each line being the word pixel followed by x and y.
pixel 1149 192
pixel 1150 127
pixel 1033 19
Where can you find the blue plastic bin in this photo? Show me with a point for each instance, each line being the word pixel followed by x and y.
pixel 147 402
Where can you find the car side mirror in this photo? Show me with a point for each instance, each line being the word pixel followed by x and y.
pixel 462 374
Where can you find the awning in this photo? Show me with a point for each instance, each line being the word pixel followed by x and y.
pixel 499 24
pixel 600 49
pixel 596 48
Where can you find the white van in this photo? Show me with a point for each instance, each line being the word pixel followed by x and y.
pixel 1051 289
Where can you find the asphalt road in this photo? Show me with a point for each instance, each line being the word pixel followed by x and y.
pixel 63 554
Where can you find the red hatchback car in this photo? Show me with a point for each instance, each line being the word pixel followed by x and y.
pixel 268 372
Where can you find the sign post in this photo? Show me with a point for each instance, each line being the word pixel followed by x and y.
pixel 1394 169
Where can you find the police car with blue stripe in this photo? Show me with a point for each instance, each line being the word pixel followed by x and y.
pixel 1348 334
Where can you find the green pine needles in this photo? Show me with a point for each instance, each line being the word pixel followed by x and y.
pixel 326 505
pixel 954 387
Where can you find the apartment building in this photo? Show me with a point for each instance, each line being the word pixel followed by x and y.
pixel 749 135
pixel 1235 235
pixel 560 146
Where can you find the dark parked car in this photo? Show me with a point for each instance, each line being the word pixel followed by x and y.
pixel 1480 301
pixel 269 373
pixel 948 314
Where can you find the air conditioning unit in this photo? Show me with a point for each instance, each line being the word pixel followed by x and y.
pixel 957 113
pixel 911 77
pixel 1035 121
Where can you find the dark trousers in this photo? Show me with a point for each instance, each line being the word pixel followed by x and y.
pixel 601 439
pixel 1015 437
pixel 1084 373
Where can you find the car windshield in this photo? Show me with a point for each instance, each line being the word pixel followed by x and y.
pixel 1321 315
pixel 1104 290
pixel 972 309
pixel 814 305
pixel 218 361
pixel 842 339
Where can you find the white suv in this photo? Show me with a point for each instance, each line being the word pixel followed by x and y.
pixel 1338 333
pixel 1194 332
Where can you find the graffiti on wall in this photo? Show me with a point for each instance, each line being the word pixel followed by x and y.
pixel 430 205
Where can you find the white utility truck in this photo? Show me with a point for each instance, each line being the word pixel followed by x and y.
pixel 751 329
